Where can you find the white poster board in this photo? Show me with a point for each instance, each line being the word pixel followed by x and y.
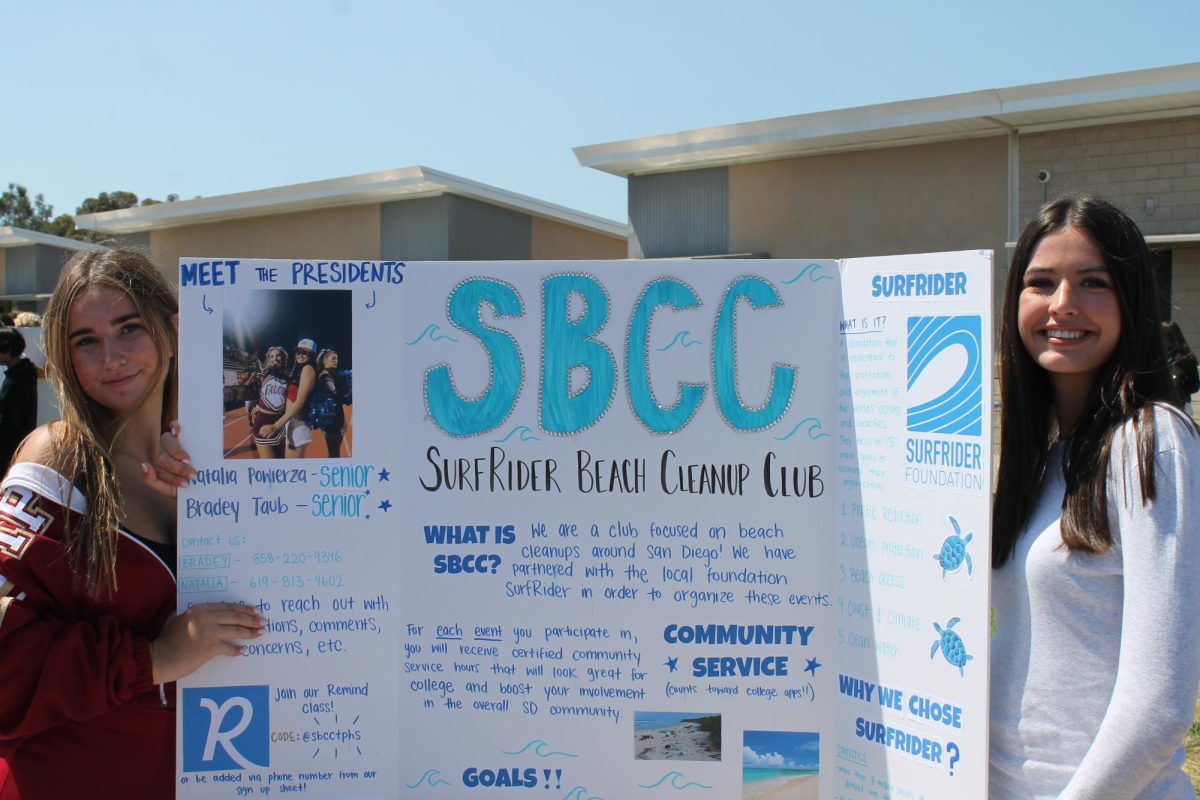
pixel 597 529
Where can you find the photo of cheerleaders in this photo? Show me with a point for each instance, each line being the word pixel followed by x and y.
pixel 275 403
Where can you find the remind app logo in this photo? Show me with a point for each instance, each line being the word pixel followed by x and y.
pixel 936 344
pixel 225 728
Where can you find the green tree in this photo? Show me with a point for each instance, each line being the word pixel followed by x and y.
pixel 18 210
pixel 107 202
pixel 63 225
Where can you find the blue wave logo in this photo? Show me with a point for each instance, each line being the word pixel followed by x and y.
pixel 431 777
pixel 959 409
pixel 432 331
pixel 813 271
pixel 675 780
pixel 580 793
pixel 814 430
pixel 523 431
pixel 541 749
pixel 682 339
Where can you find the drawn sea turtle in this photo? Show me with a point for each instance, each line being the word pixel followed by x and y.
pixel 954 551
pixel 952 646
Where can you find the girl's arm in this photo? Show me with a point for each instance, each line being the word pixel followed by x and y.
pixel 200 634
pixel 66 658
pixel 1154 696
pixel 172 468
pixel 58 669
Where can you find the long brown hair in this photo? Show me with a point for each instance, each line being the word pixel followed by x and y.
pixel 82 443
pixel 1128 384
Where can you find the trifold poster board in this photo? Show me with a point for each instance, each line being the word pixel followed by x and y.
pixel 590 530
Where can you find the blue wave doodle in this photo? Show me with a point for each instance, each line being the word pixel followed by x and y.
pixel 431 330
pixel 430 777
pixel 816 275
pixel 580 793
pixel 814 430
pixel 526 435
pixel 675 782
pixel 682 339
pixel 539 748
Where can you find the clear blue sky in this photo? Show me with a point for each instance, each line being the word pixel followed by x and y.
pixel 217 97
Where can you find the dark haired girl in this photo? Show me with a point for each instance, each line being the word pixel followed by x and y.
pixel 325 409
pixel 1096 546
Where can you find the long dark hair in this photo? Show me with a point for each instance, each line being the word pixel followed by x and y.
pixel 1128 384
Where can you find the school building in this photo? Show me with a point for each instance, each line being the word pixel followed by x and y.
pixel 958 172
pixel 29 266
pixel 409 214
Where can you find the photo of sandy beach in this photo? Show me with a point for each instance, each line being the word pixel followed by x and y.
pixel 676 736
pixel 780 765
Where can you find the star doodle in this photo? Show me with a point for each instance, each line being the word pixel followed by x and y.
pixel 812 667
pixel 384 475
pixel 385 505
pixel 672 664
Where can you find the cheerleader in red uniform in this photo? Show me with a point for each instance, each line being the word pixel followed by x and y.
pixel 90 645
pixel 270 388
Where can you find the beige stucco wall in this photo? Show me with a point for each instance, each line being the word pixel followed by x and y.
pixel 1157 160
pixel 917 199
pixel 1126 164
pixel 343 232
pixel 1185 292
pixel 555 240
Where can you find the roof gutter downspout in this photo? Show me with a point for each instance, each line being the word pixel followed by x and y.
pixel 1014 171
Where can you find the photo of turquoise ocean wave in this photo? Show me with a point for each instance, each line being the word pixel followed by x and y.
pixel 780 765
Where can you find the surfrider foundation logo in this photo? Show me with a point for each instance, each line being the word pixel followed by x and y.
pixel 959 409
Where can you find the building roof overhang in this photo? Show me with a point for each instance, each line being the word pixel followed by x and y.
pixel 1158 93
pixel 20 237
pixel 374 187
